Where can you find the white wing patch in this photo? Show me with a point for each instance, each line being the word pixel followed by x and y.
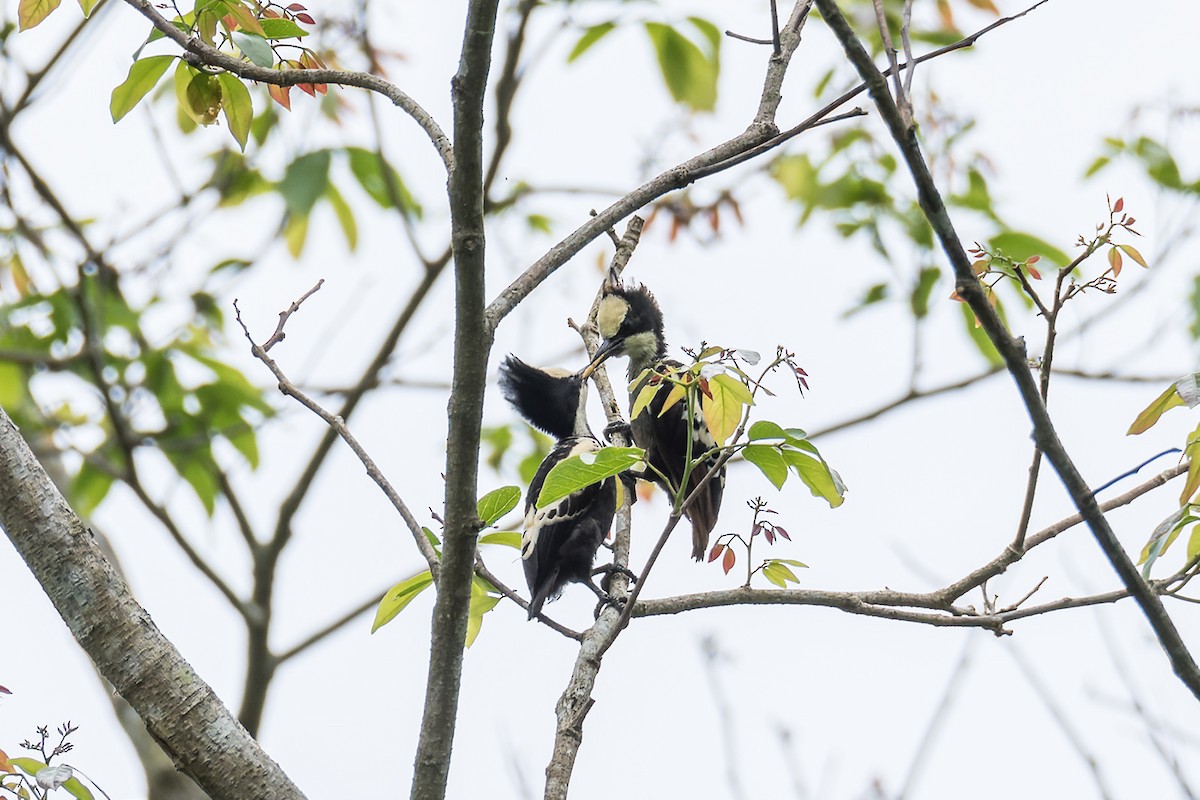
pixel 537 519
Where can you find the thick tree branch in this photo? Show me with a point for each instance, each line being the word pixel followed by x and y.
pixel 472 344
pixel 179 709
pixel 1013 352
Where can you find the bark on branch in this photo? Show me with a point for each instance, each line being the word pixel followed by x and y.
pixel 180 710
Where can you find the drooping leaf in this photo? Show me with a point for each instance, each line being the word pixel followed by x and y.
pixel 589 38
pixel 1163 403
pixel 143 75
pixel 12 385
pixel 295 232
pixel 1161 538
pixel 481 603
pixel 498 502
pixel 254 47
pixel 820 479
pixel 237 106
pixel 203 98
pixel 728 561
pixel 690 76
pixel 574 473
pixel 304 181
pixel 677 393
pixel 643 400
pixel 506 538
pixel 345 215
pixel 31 12
pixel 769 460
pixel 369 170
pixel 919 300
pixel 399 596
pixel 723 406
pixel 89 488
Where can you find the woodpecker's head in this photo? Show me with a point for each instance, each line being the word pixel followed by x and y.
pixel 553 400
pixel 632 325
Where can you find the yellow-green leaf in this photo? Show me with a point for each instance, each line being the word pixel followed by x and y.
pixel 481 603
pixel 723 411
pixel 769 460
pixel 32 12
pixel 498 502
pixel 12 385
pixel 1114 261
pixel 643 399
pixel 86 6
pixel 202 98
pixel 677 393
pixel 295 232
pixel 345 215
pixel 1132 252
pixel 143 75
pixel 574 473
pixel 399 596
pixel 245 18
pixel 506 538
pixel 238 108
pixel 1150 415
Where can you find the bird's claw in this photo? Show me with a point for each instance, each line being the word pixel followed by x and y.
pixel 618 428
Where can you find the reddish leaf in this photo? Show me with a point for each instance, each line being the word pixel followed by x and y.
pixel 296 7
pixel 4 690
pixel 307 88
pixel 1114 261
pixel 782 533
pixel 1117 206
pixel 306 19
pixel 1033 273
pixel 1032 260
pixel 1130 221
pixel 727 562
pixel 716 551
pixel 280 94
pixel 770 536
pixel 5 766
pixel 704 388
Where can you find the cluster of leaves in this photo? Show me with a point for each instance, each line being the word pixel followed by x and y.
pixel 776 570
pixel 257 33
pixel 1183 392
pixel 690 65
pixel 34 779
pixel 484 596
pixel 177 397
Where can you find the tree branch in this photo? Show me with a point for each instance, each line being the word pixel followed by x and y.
pixel 179 709
pixel 1013 352
pixel 472 344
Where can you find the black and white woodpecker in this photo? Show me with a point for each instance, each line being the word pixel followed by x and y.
pixel 560 541
pixel 631 324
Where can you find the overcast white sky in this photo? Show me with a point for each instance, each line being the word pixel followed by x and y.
pixel 935 489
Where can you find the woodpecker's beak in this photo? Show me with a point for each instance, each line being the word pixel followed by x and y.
pixel 607 348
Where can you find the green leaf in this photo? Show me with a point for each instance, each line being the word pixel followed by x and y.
pixel 86 6
pixel 919 300
pixel 368 169
pixel 1151 413
pixel 345 215
pixel 304 181
pixel 506 538
pixel 1020 246
pixel 574 473
pixel 645 395
pixel 238 108
pixel 723 411
pixel 12 385
pixel 980 338
pixel 589 38
pixel 30 13
pixel 202 98
pixel 691 77
pixel 76 789
pixel 677 393
pixel 1193 549
pixel 399 596
pixel 771 573
pixel 791 561
pixel 29 766
pixel 89 488
pixel 295 232
pixel 498 502
pixel 481 603
pixel 143 76
pixel 279 28
pixel 769 460
pixel 822 481
pixel 1161 538
pixel 254 47
pixel 1100 163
